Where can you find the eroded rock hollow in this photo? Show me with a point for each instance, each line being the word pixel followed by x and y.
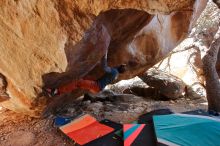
pixel 48 43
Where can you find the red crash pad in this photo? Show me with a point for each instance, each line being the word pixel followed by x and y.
pixel 85 129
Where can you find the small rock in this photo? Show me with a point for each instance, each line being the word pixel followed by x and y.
pixel 191 104
pixel 172 101
pixel 30 118
pixel 138 110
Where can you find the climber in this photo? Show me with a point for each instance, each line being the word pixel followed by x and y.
pixel 94 86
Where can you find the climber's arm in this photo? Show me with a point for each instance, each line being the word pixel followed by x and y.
pixel 104 64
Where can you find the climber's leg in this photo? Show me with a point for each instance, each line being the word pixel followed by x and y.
pixel 68 87
pixel 62 89
pixel 89 85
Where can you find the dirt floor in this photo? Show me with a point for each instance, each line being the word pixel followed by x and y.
pixel 20 130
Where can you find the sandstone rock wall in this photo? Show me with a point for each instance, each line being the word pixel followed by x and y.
pixel 32 43
pixel 43 40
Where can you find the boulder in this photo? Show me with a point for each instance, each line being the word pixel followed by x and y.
pixel 143 92
pixel 122 86
pixel 196 91
pixel 166 84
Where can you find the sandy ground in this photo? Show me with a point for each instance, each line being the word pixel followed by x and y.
pixel 21 130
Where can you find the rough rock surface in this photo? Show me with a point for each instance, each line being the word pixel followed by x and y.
pixel 3 86
pixel 125 108
pixel 43 42
pixel 166 84
pixel 104 105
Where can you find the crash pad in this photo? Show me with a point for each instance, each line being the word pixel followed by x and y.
pixel 85 129
pixel 132 132
pixel 110 139
pixel 147 119
pixel 187 130
pixel 119 133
